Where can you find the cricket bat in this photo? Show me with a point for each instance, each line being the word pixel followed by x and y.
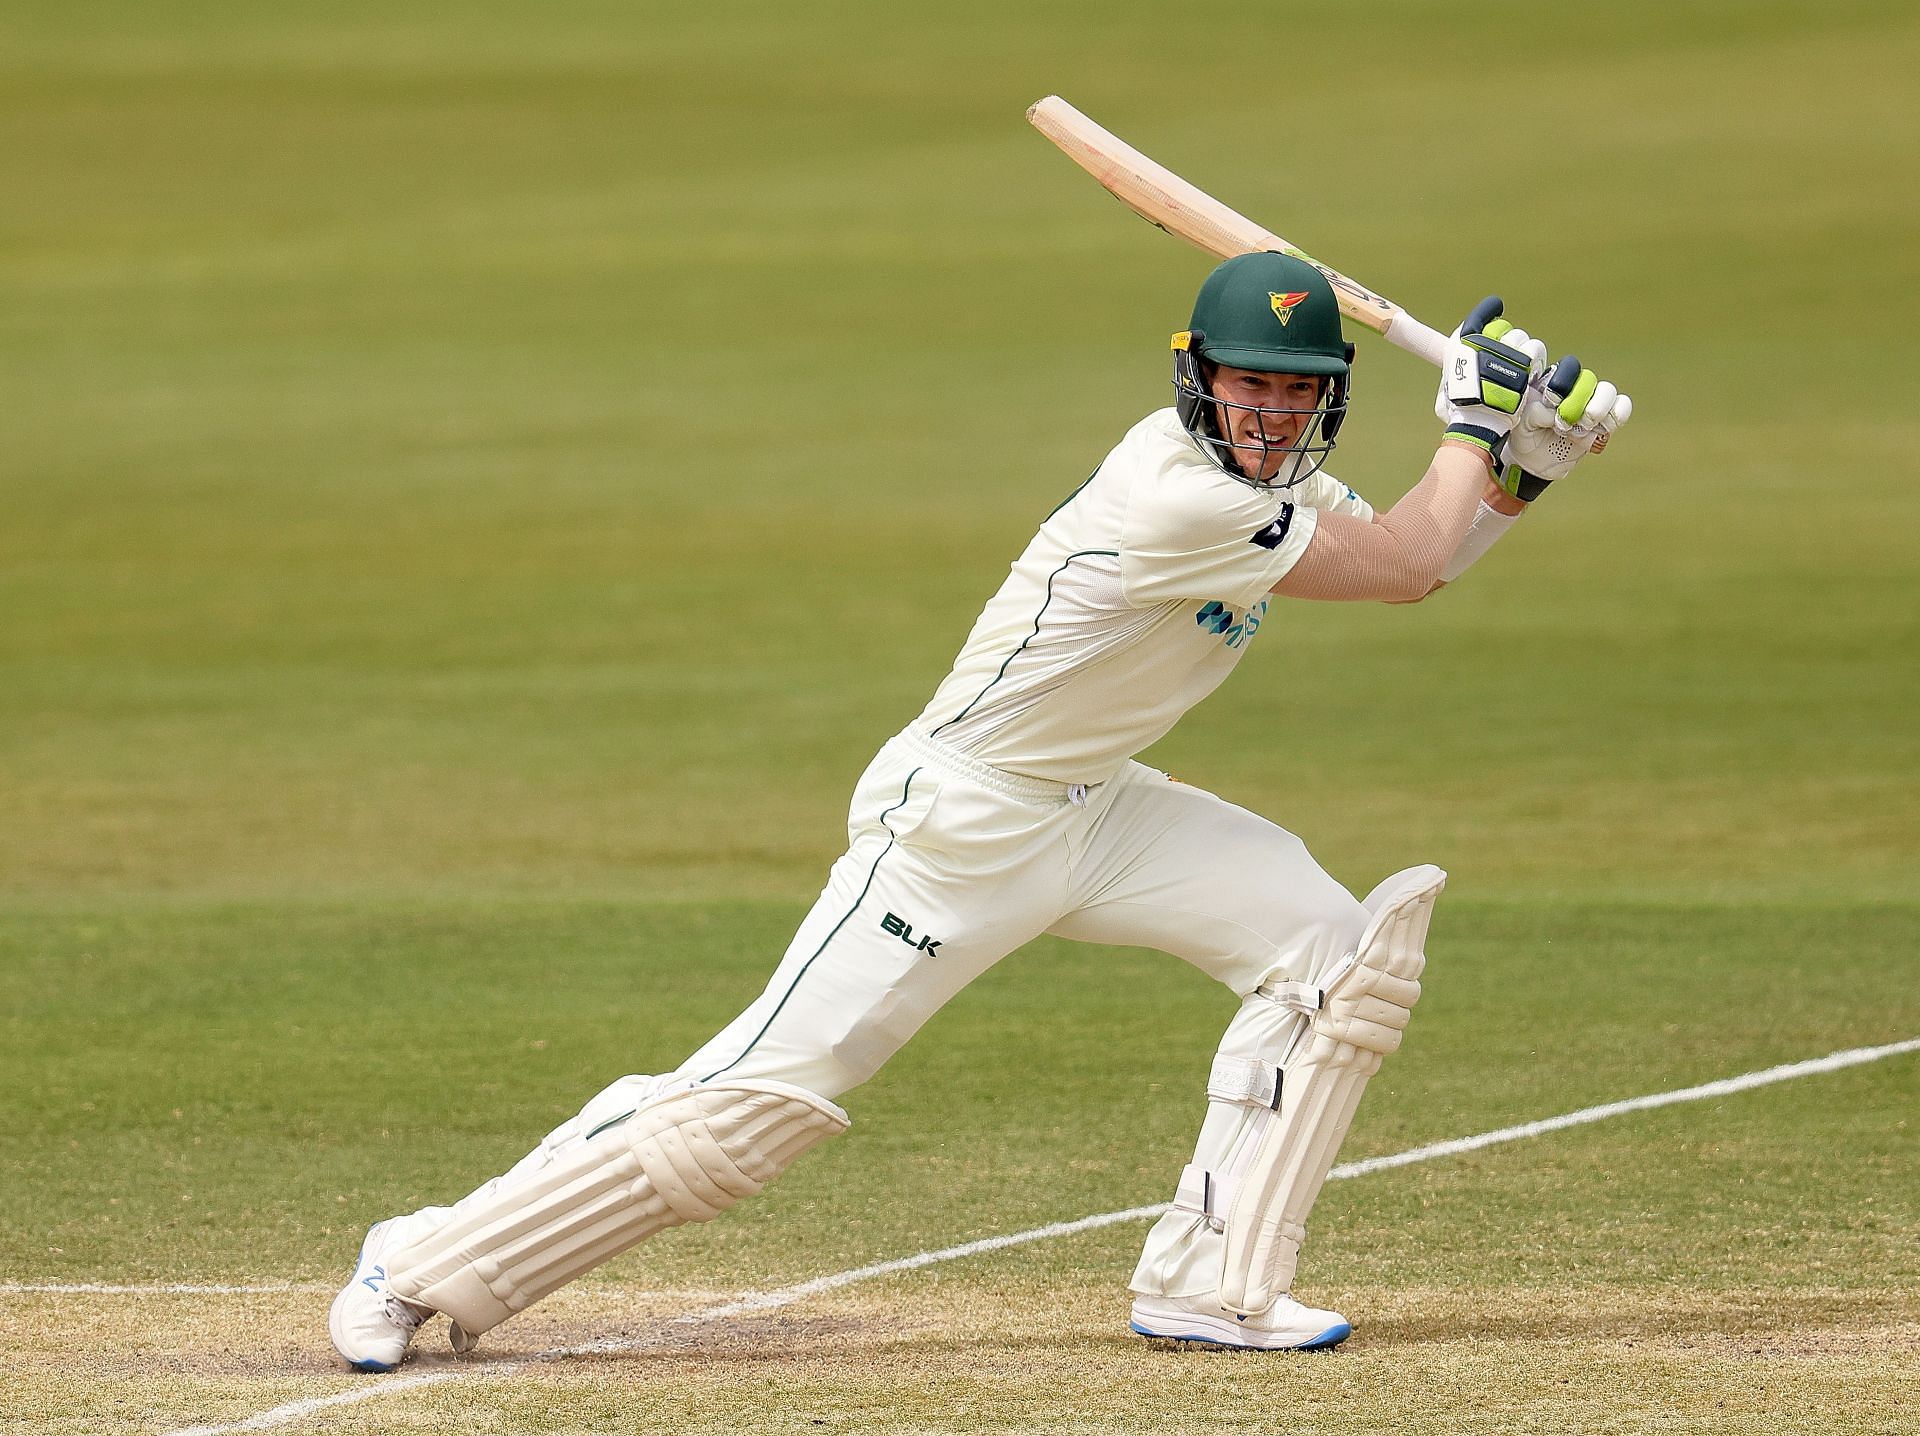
pixel 1162 198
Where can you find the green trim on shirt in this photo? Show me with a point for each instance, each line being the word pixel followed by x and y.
pixel 1083 553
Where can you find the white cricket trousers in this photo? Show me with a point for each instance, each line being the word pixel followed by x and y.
pixel 951 865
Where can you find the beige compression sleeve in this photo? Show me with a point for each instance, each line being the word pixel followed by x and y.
pixel 1399 556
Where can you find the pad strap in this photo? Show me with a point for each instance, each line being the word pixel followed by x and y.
pixel 1204 1194
pixel 1305 997
pixel 1246 1080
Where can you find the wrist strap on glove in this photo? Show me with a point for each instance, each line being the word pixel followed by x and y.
pixel 1489 441
pixel 1517 481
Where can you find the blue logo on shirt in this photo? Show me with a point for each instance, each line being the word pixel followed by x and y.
pixel 1216 617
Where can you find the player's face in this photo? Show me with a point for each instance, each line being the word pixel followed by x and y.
pixel 1263 416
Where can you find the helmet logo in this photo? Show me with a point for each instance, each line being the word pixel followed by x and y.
pixel 1284 305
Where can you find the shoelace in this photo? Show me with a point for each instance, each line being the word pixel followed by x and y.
pixel 404 1314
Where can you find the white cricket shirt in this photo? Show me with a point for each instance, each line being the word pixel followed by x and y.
pixel 1131 604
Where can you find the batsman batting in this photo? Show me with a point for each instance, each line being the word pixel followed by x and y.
pixel 1013 806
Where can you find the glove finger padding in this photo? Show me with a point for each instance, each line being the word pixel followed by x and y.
pixel 1599 408
pixel 1483 316
pixel 1534 349
pixel 1538 411
pixel 1568 413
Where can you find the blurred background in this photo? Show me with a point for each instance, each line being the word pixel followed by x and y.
pixel 477 483
pixel 548 447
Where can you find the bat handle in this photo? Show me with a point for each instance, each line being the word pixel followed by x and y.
pixel 1406 332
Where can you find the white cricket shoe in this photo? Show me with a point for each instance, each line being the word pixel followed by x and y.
pixel 1285 1326
pixel 371 1327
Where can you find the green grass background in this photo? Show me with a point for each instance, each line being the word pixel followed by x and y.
pixel 479 483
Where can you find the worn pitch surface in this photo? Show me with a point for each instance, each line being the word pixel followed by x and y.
pixel 476 494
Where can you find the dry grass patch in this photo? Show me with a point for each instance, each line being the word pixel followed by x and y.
pixel 1006 1354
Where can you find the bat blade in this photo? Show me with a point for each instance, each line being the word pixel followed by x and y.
pixel 1168 202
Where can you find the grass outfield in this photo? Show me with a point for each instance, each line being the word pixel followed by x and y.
pixel 477 493
pixel 1701 1267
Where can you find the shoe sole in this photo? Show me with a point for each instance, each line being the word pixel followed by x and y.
pixel 1325 1341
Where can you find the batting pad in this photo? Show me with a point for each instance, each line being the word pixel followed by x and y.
pixel 1362 1011
pixel 685 1157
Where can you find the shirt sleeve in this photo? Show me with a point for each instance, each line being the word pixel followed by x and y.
pixel 1194 533
pixel 1324 492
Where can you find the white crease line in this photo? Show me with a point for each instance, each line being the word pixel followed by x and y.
pixel 751 1302
pixel 294 1410
pixel 787 1295
pixel 1726 1086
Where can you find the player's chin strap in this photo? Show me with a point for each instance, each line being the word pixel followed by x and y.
pixel 1356 1015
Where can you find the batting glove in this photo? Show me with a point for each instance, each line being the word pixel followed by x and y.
pixel 1568 413
pixel 1484 381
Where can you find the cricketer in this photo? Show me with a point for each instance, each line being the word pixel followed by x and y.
pixel 1013 806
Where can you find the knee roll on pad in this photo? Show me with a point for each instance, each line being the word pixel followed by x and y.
pixel 685 1156
pixel 1357 1014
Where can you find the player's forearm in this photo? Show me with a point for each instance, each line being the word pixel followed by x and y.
pixel 1398 557
pixel 1457 479
pixel 1461 542
pixel 1497 513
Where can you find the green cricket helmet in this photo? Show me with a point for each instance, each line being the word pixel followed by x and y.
pixel 1272 313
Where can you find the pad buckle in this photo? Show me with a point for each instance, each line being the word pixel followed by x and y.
pixel 1302 997
pixel 1204 1195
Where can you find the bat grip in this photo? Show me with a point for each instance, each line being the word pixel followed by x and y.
pixel 1406 332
